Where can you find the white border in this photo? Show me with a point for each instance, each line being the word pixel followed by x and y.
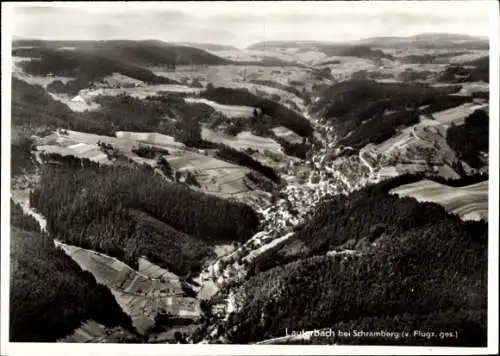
pixel 9 349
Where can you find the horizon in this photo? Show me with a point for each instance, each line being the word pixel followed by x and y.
pixel 241 24
pixel 483 38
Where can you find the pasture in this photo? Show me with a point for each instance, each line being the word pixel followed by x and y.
pixel 469 202
pixel 242 141
pixel 230 111
pixel 215 176
pixel 457 114
pixel 286 134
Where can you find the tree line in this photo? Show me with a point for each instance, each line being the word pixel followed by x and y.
pixel 50 295
pixel 102 208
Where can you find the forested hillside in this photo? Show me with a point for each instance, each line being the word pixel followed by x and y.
pixel 413 262
pixel 50 295
pixel 281 115
pixel 89 61
pixel 471 139
pixel 364 111
pixel 358 220
pixel 105 208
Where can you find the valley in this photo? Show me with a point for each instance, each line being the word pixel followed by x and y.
pixel 213 192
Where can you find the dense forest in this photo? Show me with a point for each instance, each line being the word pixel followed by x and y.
pixel 84 66
pixel 104 208
pixel 473 71
pixel 471 138
pixel 281 115
pixel 141 53
pixel 377 214
pixel 365 111
pixel 50 295
pixel 414 262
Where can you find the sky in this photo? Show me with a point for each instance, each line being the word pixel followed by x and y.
pixel 240 23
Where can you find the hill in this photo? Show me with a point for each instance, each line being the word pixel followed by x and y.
pixel 385 268
pixel 142 53
pixel 354 51
pixel 130 212
pixel 279 114
pixel 89 61
pixel 430 41
pixel 209 46
pixel 50 295
pixel 364 111
pixel 471 140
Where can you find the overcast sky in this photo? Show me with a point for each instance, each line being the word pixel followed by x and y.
pixel 243 23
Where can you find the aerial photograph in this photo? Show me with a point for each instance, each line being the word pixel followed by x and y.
pixel 314 173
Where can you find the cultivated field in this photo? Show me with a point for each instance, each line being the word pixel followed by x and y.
pixel 231 111
pixel 222 75
pixel 215 176
pixel 287 134
pixel 76 141
pixel 76 103
pixel 91 331
pixel 242 141
pixel 81 150
pixel 120 80
pixel 140 296
pixel 151 138
pixel 457 114
pixel 469 202
pixel 138 92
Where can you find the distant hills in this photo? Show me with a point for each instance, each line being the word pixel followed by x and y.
pixel 209 46
pixel 426 40
pixel 149 52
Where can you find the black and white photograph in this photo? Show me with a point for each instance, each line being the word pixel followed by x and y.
pixel 250 177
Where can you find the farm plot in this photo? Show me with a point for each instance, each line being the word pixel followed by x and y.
pixel 242 141
pixel 151 270
pixel 287 134
pixel 469 202
pixel 77 103
pixel 93 332
pixel 457 114
pixel 81 150
pixel 230 111
pixel 222 75
pixel 140 296
pixel 151 138
pixel 215 176
pixel 140 92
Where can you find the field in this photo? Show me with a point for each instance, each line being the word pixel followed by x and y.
pixel 139 92
pixel 287 134
pixel 457 114
pixel 83 144
pixel 423 147
pixel 222 75
pixel 231 111
pixel 77 103
pixel 151 138
pixel 82 150
pixel 140 296
pixel 469 202
pixel 215 176
pixel 242 141
pixel 91 331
